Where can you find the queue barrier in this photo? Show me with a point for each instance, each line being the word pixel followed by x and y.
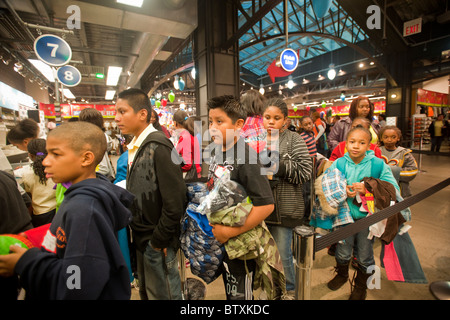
pixel 306 243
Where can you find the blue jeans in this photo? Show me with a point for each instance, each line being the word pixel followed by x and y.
pixel 363 250
pixel 283 239
pixel 158 275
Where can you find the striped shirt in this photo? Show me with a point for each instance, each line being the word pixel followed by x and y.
pixel 310 143
pixel 254 133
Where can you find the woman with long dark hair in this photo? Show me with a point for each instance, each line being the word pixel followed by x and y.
pixel 360 107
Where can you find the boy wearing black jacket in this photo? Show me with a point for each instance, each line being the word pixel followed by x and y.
pixel 231 153
pixel 157 182
pixel 80 256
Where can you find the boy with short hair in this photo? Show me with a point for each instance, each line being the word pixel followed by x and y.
pixel 105 166
pixel 157 182
pixel 80 256
pixel 226 118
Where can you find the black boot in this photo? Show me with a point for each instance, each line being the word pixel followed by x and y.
pixel 341 277
pixel 359 285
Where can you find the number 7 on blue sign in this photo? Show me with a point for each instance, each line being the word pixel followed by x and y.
pixel 52 50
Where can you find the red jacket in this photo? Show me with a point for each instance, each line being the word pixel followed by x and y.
pixel 340 150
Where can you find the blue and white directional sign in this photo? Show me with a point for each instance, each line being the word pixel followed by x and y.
pixel 69 76
pixel 288 60
pixel 52 50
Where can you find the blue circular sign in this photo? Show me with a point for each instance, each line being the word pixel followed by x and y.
pixel 288 60
pixel 52 50
pixel 69 76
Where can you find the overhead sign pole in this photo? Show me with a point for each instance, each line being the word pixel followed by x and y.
pixel 55 52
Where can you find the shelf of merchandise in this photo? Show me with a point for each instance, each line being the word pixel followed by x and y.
pixel 419 130
pixel 8 117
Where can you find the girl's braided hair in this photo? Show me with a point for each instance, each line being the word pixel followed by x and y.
pixel 36 147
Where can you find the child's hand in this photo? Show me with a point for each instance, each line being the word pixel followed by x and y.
pixel 359 187
pixel 8 262
pixel 350 192
pixel 222 233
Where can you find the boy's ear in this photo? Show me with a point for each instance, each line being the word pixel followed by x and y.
pixel 143 114
pixel 88 158
pixel 239 124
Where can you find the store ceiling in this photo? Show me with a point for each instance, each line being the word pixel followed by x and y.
pixel 110 34
pixel 142 40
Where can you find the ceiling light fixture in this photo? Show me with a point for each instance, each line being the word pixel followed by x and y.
pixel 18 67
pixel 332 72
pixel 290 83
pixel 261 89
pixel 110 94
pixel 113 75
pixel 68 94
pixel 134 3
pixel 43 68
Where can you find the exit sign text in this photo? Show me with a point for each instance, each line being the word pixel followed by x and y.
pixel 412 27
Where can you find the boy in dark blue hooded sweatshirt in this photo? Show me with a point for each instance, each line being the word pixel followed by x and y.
pixel 80 256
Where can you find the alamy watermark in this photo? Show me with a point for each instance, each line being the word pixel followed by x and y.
pixel 374 280
pixel 74 280
pixel 74 20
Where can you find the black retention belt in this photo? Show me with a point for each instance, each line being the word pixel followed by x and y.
pixel 350 229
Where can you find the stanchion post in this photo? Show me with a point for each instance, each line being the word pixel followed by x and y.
pixel 420 155
pixel 303 246
pixel 182 264
pixel 311 190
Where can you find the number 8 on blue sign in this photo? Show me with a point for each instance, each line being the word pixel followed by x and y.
pixel 52 50
pixel 69 76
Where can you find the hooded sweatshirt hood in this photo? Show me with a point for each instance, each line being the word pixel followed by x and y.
pixel 115 200
pixel 82 240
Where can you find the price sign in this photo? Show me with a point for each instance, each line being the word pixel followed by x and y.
pixel 52 50
pixel 69 76
pixel 288 60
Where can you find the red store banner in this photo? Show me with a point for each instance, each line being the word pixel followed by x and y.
pixel 73 110
pixel 432 98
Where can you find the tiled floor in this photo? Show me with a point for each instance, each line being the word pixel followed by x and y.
pixel 430 233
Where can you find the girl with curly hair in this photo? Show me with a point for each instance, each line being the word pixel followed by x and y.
pixel 35 183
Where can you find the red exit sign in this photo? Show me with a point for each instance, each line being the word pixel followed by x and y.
pixel 412 27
